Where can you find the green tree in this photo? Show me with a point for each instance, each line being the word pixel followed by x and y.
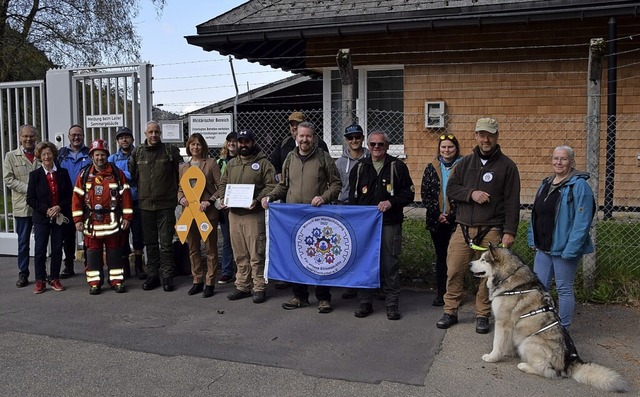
pixel 68 32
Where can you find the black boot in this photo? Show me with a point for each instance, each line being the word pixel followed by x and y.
pixel 139 269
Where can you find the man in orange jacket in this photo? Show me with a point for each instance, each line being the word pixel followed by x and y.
pixel 102 209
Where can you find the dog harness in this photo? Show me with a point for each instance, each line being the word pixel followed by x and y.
pixel 544 309
pixel 474 243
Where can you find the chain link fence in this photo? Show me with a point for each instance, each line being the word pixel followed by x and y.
pixel 529 141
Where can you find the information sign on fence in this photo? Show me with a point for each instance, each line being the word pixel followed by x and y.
pixel 214 127
pixel 104 120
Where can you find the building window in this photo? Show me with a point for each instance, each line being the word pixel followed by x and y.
pixel 379 105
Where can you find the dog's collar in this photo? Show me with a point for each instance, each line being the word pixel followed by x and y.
pixel 518 292
pixel 541 310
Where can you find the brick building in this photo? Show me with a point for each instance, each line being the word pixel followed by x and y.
pixel 523 62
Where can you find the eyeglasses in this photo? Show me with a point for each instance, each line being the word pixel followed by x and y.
pixel 376 144
pixel 352 137
pixel 560 159
pixel 447 136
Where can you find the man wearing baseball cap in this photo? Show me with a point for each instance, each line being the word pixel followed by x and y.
pixel 247 225
pixel 125 139
pixel 486 186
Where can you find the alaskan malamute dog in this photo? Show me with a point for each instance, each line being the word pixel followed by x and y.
pixel 526 320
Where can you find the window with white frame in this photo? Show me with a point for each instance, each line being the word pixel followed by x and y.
pixel 379 105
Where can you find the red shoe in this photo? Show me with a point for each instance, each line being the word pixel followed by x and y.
pixel 40 287
pixel 55 284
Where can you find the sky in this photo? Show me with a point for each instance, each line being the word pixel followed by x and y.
pixel 185 76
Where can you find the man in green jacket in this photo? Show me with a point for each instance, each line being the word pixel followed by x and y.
pixel 154 169
pixel 309 176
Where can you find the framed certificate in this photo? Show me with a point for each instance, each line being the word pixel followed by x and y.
pixel 239 195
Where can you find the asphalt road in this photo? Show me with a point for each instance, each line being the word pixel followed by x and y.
pixel 171 344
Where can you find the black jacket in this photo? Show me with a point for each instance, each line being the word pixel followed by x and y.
pixel 366 187
pixel 39 195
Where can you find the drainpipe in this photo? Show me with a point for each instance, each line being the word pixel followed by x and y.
pixel 235 100
pixel 612 76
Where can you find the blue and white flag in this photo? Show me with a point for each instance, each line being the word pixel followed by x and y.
pixel 334 245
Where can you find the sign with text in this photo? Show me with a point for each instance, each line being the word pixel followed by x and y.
pixel 214 127
pixel 104 120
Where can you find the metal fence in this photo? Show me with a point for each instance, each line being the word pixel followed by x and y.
pixel 529 141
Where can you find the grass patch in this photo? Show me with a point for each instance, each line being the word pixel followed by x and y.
pixel 618 261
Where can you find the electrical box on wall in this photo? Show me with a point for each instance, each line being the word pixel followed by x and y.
pixel 434 114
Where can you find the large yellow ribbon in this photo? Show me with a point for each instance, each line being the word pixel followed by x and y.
pixel 190 213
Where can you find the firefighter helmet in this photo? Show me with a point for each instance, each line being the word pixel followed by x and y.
pixel 99 144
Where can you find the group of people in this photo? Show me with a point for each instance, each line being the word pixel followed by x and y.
pixel 474 201
pixel 470 201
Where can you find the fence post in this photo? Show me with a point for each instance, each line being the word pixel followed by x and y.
pixel 594 99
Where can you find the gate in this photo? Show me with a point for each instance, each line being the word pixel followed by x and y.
pixel 101 99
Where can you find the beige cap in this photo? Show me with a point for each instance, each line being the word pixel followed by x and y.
pixel 297 116
pixel 487 124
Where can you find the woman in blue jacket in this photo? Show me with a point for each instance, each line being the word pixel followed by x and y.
pixel 559 230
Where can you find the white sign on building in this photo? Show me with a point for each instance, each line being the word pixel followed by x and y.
pixel 104 120
pixel 214 127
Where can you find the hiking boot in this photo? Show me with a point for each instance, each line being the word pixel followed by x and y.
pixel 94 290
pixel 167 286
pixel 225 279
pixel 68 271
pixel 364 310
pixel 482 325
pixel 237 294
pixel 447 320
pixel 195 289
pixel 23 281
pixel 55 284
pixel 259 297
pixel 151 283
pixel 295 303
pixel 208 291
pixel 119 288
pixel 324 307
pixel 40 287
pixel 438 301
pixel 393 313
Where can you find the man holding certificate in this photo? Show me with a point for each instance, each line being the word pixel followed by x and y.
pixel 245 181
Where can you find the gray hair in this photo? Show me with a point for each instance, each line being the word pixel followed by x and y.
pixel 308 124
pixel 569 151
pixel 384 136
pixel 152 122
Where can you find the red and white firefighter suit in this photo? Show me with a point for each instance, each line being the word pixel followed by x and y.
pixel 100 201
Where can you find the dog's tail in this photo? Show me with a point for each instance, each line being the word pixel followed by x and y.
pixel 599 377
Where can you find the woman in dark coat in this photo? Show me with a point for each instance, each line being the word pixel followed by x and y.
pixel 49 194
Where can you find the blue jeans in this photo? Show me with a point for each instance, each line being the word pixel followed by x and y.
pixel 227 251
pixel 44 231
pixel 23 226
pixel 545 267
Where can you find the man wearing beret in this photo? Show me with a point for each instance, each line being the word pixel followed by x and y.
pixel 486 186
